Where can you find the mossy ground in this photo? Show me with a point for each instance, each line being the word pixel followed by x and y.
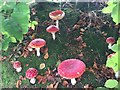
pixel 65 46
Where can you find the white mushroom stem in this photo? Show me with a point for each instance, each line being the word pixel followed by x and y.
pixel 19 69
pixel 38 51
pixel 57 23
pixel 32 81
pixel 109 46
pixel 73 81
pixel 117 74
pixel 53 35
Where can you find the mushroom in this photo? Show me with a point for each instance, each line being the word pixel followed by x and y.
pixel 117 74
pixel 71 69
pixel 52 29
pixel 57 15
pixel 110 41
pixel 31 73
pixel 37 44
pixel 17 66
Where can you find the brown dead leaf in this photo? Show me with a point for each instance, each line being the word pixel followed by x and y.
pixel 2 58
pixel 50 86
pixel 76 26
pixel 95 65
pixel 46 56
pixel 65 83
pixel 39 78
pixel 18 83
pixel 82 30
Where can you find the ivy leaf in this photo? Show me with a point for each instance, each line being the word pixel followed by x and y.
pixel 34 22
pixel 116 14
pixel 108 9
pixel 13 39
pixel 113 62
pixel 115 48
pixel 111 83
pixel 13 29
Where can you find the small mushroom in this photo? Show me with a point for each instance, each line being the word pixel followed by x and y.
pixel 110 41
pixel 71 69
pixel 37 44
pixel 17 66
pixel 31 73
pixel 117 74
pixel 56 15
pixel 52 29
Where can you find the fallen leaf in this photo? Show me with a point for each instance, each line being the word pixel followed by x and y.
pixel 46 56
pixel 2 58
pixel 82 30
pixel 56 85
pixel 42 65
pixel 18 83
pixel 95 65
pixel 50 86
pixel 76 26
pixel 39 78
pixel 65 83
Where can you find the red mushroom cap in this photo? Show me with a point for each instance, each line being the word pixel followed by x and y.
pixel 31 73
pixel 110 40
pixel 52 29
pixel 56 12
pixel 16 64
pixel 56 15
pixel 37 43
pixel 71 68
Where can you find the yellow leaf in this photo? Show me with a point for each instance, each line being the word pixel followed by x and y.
pixel 42 65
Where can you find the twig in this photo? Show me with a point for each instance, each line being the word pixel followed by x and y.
pixel 15 48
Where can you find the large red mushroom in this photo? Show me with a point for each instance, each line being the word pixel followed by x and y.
pixel 110 41
pixel 52 29
pixel 71 69
pixel 31 73
pixel 57 15
pixel 37 44
pixel 17 66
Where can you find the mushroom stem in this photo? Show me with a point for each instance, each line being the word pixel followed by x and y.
pixel 38 51
pixel 32 81
pixel 109 46
pixel 117 74
pixel 53 35
pixel 19 69
pixel 73 81
pixel 57 23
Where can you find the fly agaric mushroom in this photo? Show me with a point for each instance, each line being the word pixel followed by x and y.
pixel 17 66
pixel 37 44
pixel 57 15
pixel 110 41
pixel 71 69
pixel 52 29
pixel 31 73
